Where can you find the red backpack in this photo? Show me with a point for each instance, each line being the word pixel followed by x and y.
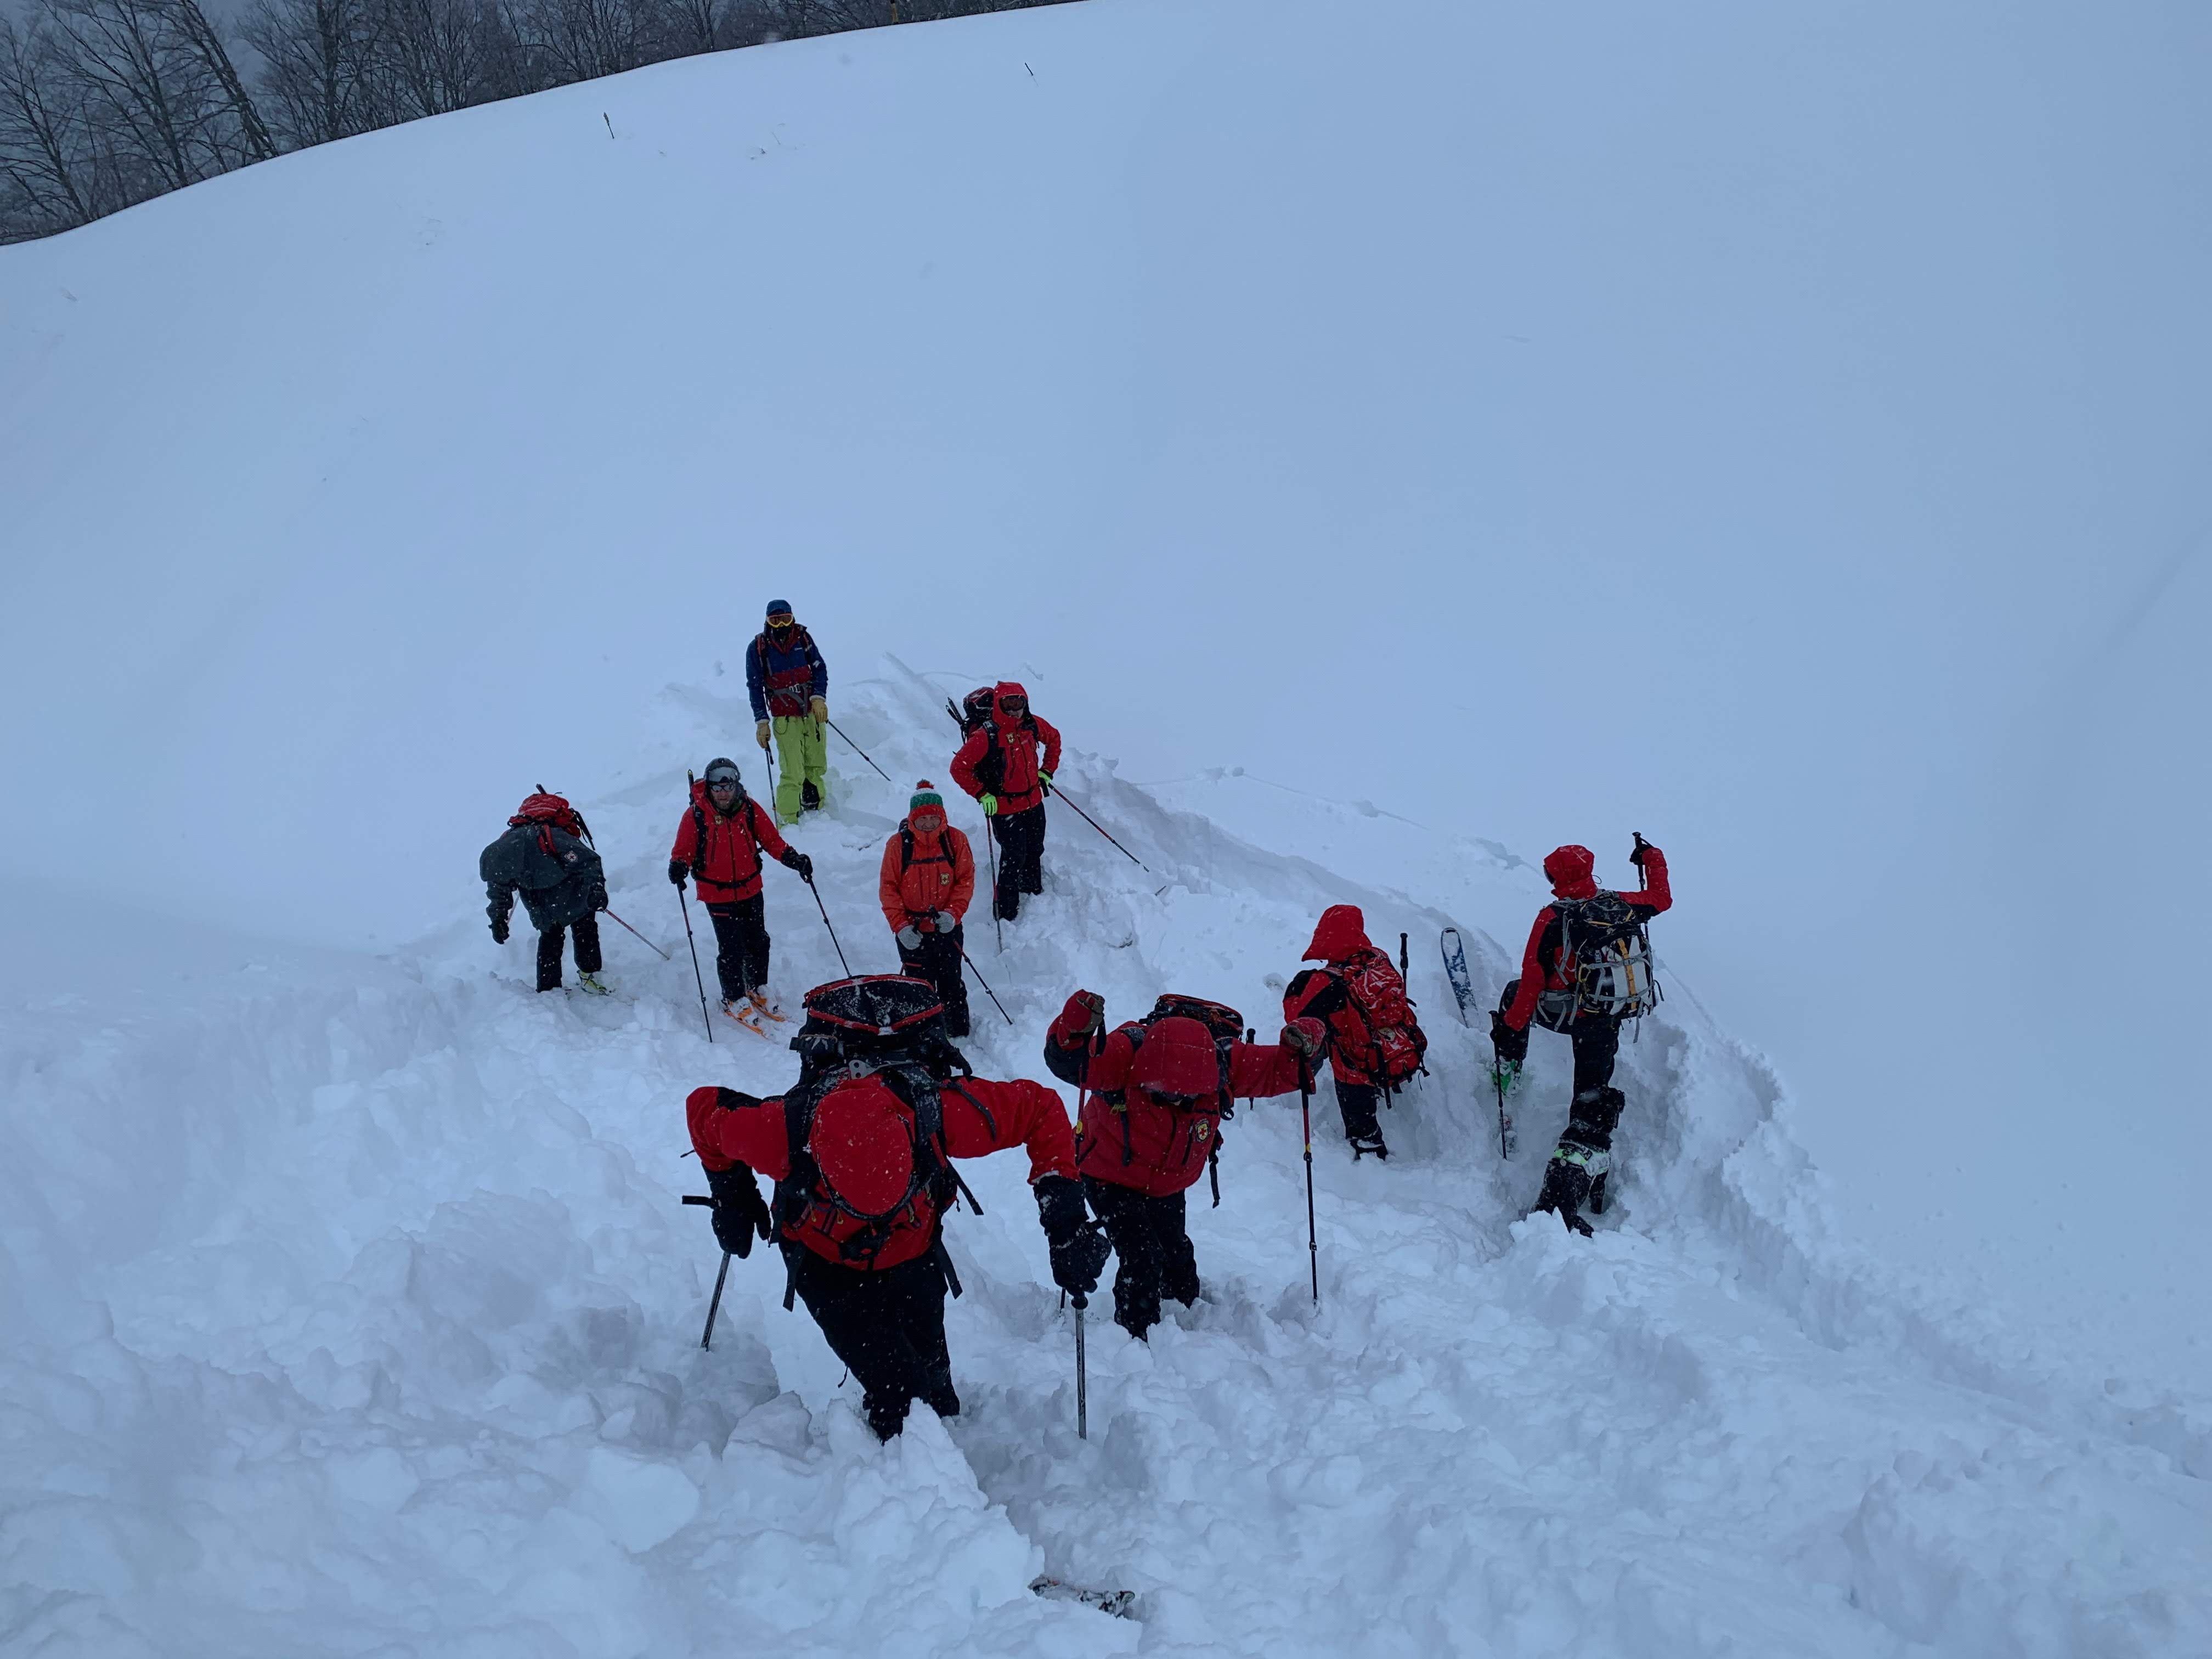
pixel 1374 991
pixel 550 811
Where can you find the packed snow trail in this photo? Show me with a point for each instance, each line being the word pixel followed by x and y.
pixel 353 1310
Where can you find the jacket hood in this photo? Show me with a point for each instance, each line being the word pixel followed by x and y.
pixel 1004 689
pixel 1569 870
pixel 1177 1059
pixel 1342 931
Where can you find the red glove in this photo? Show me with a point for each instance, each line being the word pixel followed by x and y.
pixel 1085 1013
pixel 1305 1037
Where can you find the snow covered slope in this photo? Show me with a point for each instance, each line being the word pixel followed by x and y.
pixel 1264 393
pixel 352 1311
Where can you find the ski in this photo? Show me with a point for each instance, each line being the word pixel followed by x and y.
pixel 743 1017
pixel 768 1010
pixel 1121 1603
pixel 1455 953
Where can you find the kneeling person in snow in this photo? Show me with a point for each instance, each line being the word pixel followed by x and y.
pixel 545 854
pixel 999 764
pixel 1586 970
pixel 927 878
pixel 1162 1085
pixel 859 1150
pixel 718 843
pixel 1374 1041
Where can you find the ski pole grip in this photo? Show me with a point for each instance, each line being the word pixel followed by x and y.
pixel 695 1198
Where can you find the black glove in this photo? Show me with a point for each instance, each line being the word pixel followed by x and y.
pixel 598 895
pixel 1078 1249
pixel 499 930
pixel 1635 853
pixel 739 1211
pixel 677 870
pixel 795 860
pixel 1512 1046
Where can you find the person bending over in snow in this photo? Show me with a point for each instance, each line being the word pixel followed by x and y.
pixel 861 1151
pixel 1162 1085
pixel 789 684
pixel 545 853
pixel 1587 969
pixel 1374 1041
pixel 928 877
pixel 720 842
pixel 998 765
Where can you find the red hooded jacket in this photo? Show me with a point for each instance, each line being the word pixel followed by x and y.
pixel 1374 1000
pixel 727 866
pixel 1569 869
pixel 1137 1142
pixel 941 875
pixel 1018 740
pixel 981 1117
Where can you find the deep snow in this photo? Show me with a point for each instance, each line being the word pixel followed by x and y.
pixel 1768 431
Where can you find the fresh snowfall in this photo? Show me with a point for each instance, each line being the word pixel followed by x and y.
pixel 351 1306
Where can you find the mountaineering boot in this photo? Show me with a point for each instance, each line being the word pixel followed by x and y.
pixel 809 798
pixel 1363 1145
pixel 1567 1180
pixel 592 984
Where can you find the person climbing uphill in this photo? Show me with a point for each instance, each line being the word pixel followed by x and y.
pixel 546 855
pixel 861 1149
pixel 720 843
pixel 1375 1039
pixel 1587 969
pixel 928 877
pixel 1162 1085
pixel 998 765
pixel 789 685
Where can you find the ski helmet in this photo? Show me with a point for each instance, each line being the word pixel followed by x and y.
pixel 723 769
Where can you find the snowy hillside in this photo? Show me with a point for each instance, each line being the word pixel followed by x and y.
pixel 1284 403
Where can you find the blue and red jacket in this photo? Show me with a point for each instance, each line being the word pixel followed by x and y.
pixel 780 678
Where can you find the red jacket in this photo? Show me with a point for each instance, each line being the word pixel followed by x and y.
pixel 981 1117
pixel 940 875
pixel 1017 742
pixel 1373 1003
pixel 728 867
pixel 1132 1140
pixel 1569 868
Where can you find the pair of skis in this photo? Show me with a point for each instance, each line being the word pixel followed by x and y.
pixel 1502 1077
pixel 748 1013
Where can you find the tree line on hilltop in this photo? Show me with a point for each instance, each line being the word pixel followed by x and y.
pixel 106 103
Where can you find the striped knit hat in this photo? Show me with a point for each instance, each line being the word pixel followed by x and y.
pixel 925 794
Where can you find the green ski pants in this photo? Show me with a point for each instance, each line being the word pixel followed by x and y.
pixel 801 757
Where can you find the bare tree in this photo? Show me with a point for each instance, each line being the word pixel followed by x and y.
pixel 46 149
pixel 319 66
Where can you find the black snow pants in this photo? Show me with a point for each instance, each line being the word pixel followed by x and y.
pixel 1020 836
pixel 587 930
pixel 1358 1102
pixel 887 1326
pixel 938 961
pixel 740 946
pixel 1151 1245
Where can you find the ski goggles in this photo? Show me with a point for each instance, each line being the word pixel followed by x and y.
pixel 722 783
pixel 1014 705
pixel 782 619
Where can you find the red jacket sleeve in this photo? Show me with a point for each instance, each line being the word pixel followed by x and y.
pixel 764 829
pixel 964 872
pixel 1256 1070
pixel 964 763
pixel 1050 733
pixel 1657 895
pixel 724 1134
pixel 687 839
pixel 1532 975
pixel 981 1117
pixel 889 893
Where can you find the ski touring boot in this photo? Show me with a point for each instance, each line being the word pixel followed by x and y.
pixel 739 1012
pixel 764 1006
pixel 593 985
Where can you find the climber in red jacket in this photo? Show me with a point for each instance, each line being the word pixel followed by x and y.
pixel 998 765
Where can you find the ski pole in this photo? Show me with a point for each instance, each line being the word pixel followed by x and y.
pixel 1082 1378
pixel 697 978
pixel 991 852
pixel 824 909
pixel 857 749
pixel 714 1307
pixel 1305 1116
pixel 1403 970
pixel 1056 791
pixel 986 984
pixel 648 944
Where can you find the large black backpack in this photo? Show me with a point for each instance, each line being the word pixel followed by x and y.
pixel 891 1029
pixel 1604 957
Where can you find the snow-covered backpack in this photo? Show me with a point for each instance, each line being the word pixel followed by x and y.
pixel 1604 957
pixel 871 1049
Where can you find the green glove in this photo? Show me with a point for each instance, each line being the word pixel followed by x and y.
pixel 990 806
pixel 1046 776
pixel 1504 1075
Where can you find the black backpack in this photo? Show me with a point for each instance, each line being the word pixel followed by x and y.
pixel 892 1028
pixel 1605 957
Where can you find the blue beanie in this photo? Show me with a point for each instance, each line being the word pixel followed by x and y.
pixel 775 605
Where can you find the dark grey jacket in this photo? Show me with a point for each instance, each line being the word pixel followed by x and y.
pixel 558 887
